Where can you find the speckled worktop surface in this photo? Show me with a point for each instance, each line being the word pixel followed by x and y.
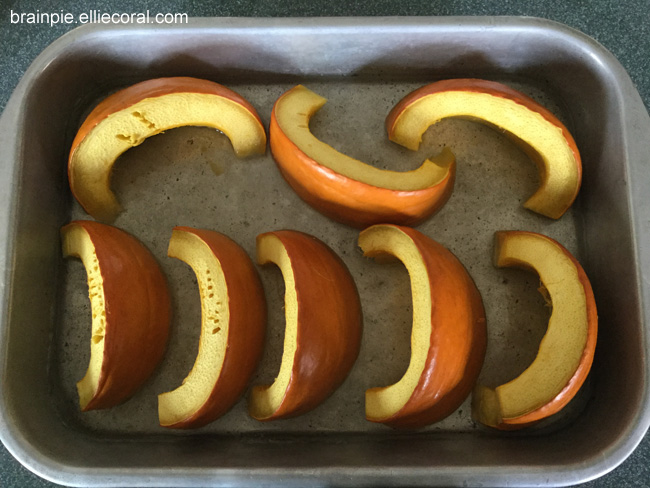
pixel 622 27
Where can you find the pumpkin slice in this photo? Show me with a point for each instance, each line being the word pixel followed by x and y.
pixel 567 349
pixel 448 338
pixel 346 189
pixel 323 325
pixel 232 328
pixel 126 118
pixel 534 128
pixel 130 311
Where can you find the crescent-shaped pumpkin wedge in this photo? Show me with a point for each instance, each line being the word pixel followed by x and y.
pixel 567 349
pixel 130 311
pixel 346 189
pixel 232 328
pixel 534 128
pixel 448 339
pixel 323 325
pixel 127 117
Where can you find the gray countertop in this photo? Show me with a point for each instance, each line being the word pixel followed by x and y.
pixel 622 27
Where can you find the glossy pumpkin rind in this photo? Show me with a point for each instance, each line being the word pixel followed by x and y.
pixel 137 306
pixel 350 201
pixel 246 328
pixel 329 322
pixel 458 338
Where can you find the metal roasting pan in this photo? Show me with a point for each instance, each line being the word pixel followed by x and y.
pixel 189 176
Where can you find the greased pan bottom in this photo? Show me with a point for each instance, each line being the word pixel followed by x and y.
pixel 189 176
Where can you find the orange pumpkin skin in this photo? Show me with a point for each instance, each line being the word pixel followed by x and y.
pixel 586 360
pixel 329 323
pixel 350 201
pixel 458 339
pixel 246 329
pixel 137 307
